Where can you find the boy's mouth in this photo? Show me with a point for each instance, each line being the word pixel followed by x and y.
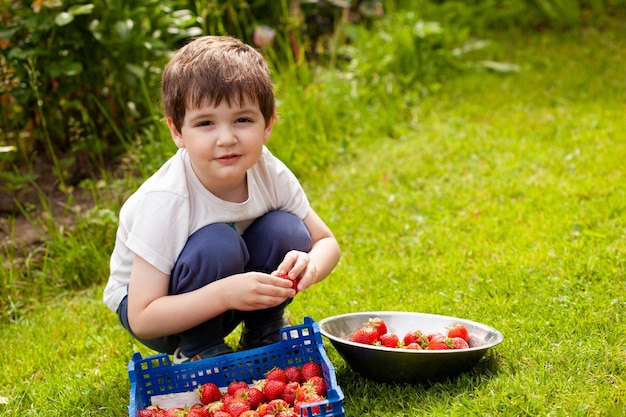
pixel 229 157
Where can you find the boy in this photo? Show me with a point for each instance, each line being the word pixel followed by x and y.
pixel 207 241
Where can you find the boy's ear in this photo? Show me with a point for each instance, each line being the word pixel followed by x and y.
pixel 176 136
pixel 268 128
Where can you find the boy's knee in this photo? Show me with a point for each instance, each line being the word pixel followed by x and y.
pixel 282 226
pixel 211 253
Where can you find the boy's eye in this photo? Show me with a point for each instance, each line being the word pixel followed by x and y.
pixel 243 120
pixel 205 123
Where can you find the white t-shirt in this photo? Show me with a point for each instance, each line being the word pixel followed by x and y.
pixel 156 221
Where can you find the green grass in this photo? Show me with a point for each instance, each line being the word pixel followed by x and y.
pixel 500 199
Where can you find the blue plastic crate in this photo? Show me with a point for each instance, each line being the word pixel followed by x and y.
pixel 156 375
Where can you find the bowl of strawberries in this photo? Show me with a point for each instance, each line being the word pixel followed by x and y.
pixel 392 346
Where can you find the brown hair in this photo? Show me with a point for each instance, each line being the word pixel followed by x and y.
pixel 214 68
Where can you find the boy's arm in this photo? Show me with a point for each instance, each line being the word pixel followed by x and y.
pixel 153 313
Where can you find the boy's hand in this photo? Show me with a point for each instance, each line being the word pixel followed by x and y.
pixel 256 291
pixel 297 267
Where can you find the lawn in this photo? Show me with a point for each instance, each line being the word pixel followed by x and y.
pixel 501 199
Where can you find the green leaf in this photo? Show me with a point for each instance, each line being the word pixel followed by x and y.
pixel 8 33
pixel 63 18
pixel 81 9
pixel 65 67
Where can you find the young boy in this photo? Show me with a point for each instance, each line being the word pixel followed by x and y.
pixel 206 242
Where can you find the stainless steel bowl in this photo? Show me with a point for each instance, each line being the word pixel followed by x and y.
pixel 402 365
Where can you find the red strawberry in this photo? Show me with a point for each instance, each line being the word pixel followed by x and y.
pixel 415 336
pixel 276 405
pixel 262 409
pixel 305 391
pixel 311 369
pixel 236 407
pixel 149 411
pixel 249 413
pixel 366 335
pixel 294 282
pixel 293 374
pixel 276 374
pixel 444 343
pixel 221 413
pixel 459 343
pixel 234 386
pixel 290 392
pixel 197 411
pixel 226 398
pixel 273 389
pixel 378 324
pixel 458 330
pixel 209 392
pixel 319 384
pixel 255 397
pixel 413 346
pixel 432 336
pixel 389 340
pixel 169 412
pixel 287 413
pixel 300 407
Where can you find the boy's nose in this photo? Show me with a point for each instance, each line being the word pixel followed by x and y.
pixel 226 136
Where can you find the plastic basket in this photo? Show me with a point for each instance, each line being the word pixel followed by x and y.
pixel 156 375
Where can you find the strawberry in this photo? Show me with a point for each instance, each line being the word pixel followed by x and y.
pixel 413 346
pixel 366 335
pixel 236 407
pixel 149 411
pixel 169 412
pixel 443 343
pixel 226 398
pixel 209 392
pixel 459 343
pixel 290 392
pixel 389 340
pixel 255 397
pixel 197 411
pixel 262 410
pixel 275 406
pixel 458 330
pixel 249 413
pixel 234 386
pixel 293 374
pixel 415 336
pixel 311 369
pixel 305 391
pixel 221 413
pixel 300 409
pixel 319 384
pixel 276 374
pixel 432 336
pixel 294 282
pixel 287 413
pixel 378 324
pixel 273 389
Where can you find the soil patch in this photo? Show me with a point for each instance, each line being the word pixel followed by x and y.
pixel 44 198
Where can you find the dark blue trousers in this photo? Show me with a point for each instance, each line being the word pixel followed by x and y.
pixel 217 251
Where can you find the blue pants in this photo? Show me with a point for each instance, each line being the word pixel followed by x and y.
pixel 217 251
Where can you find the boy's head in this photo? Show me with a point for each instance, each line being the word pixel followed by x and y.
pixel 215 68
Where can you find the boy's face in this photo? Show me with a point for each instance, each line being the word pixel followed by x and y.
pixel 223 142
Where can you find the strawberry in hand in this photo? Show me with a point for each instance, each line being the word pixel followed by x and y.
pixel 294 282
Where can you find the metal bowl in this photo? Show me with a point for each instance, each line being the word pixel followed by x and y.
pixel 403 365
